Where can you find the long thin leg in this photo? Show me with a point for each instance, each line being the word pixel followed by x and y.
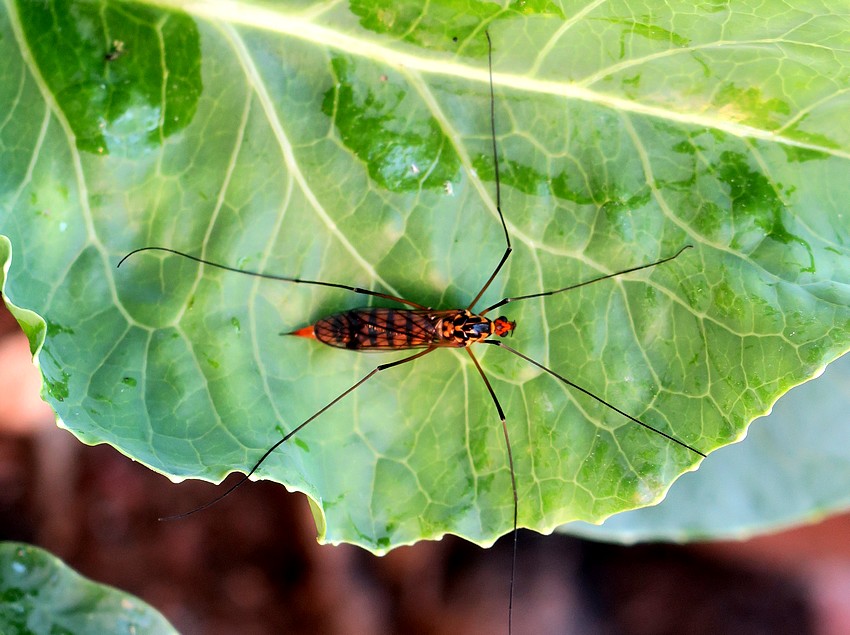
pixel 498 183
pixel 294 431
pixel 504 301
pixel 270 276
pixel 590 394
pixel 513 480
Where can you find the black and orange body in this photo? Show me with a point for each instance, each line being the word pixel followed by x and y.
pixel 381 329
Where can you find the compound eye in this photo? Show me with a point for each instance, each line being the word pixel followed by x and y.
pixel 503 326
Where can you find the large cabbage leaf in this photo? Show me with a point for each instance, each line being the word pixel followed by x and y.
pixel 351 143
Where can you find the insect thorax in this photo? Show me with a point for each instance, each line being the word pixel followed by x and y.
pixel 462 328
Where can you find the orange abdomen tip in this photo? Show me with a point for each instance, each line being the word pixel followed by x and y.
pixel 307 331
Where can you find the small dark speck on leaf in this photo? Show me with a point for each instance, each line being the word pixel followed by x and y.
pixel 115 52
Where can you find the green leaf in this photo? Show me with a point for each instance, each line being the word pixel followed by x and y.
pixel 792 469
pixel 353 145
pixel 40 594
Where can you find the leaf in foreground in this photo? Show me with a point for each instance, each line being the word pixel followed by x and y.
pixel 39 594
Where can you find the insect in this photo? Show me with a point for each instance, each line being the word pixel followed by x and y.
pixel 418 328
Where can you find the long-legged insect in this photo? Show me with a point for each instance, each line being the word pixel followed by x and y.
pixel 420 327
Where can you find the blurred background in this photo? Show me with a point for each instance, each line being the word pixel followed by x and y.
pixel 251 564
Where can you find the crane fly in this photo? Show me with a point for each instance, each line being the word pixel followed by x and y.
pixel 420 328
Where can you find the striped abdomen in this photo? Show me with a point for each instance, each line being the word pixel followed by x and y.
pixel 377 329
pixel 386 329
